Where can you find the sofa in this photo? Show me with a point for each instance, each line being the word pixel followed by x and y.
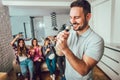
pixel 43 66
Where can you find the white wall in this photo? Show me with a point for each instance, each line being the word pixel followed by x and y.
pixel 106 19
pixel 18 26
pixel 47 29
pixel 61 19
pixel 102 19
pixel 116 22
pixel 39 28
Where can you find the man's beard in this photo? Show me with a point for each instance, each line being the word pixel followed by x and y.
pixel 80 28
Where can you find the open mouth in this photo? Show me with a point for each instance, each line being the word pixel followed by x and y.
pixel 74 26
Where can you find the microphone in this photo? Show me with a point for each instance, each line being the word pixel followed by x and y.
pixel 68 28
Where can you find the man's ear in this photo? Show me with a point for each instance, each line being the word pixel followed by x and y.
pixel 88 16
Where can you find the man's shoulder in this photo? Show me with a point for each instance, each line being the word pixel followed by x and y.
pixel 95 39
pixel 96 36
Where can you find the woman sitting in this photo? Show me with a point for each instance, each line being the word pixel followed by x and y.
pixel 36 56
pixel 50 57
pixel 24 58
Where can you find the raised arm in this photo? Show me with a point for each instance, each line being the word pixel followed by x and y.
pixel 13 41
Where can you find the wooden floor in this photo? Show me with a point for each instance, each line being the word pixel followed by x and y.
pixel 98 75
pixel 44 76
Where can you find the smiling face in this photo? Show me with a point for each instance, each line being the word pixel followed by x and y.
pixel 21 43
pixel 78 19
pixel 34 43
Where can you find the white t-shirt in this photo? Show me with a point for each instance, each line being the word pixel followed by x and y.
pixel 22 58
pixel 90 44
pixel 51 56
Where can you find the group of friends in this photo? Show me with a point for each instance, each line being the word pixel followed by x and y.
pixel 31 57
pixel 81 47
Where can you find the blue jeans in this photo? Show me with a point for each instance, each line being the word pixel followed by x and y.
pixel 51 64
pixel 27 65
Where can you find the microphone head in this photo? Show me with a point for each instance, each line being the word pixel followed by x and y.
pixel 68 28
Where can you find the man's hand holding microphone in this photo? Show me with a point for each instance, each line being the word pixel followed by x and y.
pixel 62 38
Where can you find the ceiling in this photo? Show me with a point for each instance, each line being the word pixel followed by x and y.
pixel 37 7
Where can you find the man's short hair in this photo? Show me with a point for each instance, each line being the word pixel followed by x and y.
pixel 82 3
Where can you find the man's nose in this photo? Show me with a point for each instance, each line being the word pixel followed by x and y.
pixel 72 21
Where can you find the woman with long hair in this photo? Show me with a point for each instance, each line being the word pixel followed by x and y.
pixel 24 58
pixel 37 57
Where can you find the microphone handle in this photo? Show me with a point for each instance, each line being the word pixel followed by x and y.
pixel 67 30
